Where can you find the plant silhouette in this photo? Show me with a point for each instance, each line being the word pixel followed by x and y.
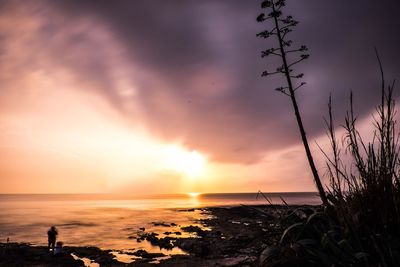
pixel 280 27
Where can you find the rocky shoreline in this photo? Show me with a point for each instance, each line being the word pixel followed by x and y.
pixel 231 236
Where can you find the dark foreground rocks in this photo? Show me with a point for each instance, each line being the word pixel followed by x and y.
pixel 237 237
pixel 21 254
pixel 14 254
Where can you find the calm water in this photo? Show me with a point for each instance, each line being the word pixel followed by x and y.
pixel 107 221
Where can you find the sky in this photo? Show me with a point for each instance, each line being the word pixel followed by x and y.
pixel 161 96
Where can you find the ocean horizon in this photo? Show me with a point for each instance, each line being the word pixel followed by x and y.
pixel 206 198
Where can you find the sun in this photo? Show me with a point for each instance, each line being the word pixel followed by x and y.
pixel 190 164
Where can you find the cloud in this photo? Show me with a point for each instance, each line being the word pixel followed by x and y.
pixel 190 70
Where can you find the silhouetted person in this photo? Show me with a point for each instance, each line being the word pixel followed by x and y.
pixel 52 236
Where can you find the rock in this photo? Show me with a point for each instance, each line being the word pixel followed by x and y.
pixel 155 241
pixel 165 243
pixel 144 254
pixel 195 246
pixel 215 234
pixel 193 229
pixel 243 238
pixel 152 238
pixel 21 254
pixel 240 260
pixel 104 260
pixel 161 224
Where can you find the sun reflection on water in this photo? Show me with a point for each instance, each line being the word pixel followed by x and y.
pixel 194 194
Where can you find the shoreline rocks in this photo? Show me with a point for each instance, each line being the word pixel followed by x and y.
pixel 238 236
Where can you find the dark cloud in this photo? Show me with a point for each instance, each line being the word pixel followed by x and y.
pixel 204 62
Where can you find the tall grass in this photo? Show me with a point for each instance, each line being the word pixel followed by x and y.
pixel 365 188
pixel 361 224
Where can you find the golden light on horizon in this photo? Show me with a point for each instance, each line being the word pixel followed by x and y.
pixel 194 194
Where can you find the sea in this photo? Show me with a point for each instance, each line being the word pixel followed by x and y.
pixel 113 221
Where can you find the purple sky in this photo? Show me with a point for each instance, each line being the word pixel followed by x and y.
pixel 206 58
pixel 191 70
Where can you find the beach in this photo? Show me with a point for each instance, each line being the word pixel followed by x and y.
pixel 233 234
pixel 230 236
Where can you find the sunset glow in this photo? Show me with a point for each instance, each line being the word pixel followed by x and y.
pixel 190 164
pixel 180 133
pixel 95 101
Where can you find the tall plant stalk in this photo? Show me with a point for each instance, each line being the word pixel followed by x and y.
pixel 281 27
